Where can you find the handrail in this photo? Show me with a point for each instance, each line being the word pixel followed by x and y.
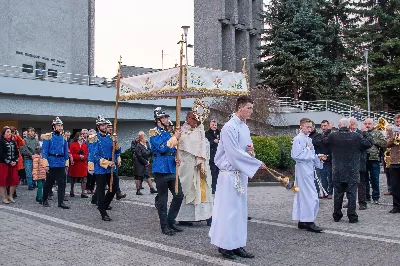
pixel 333 106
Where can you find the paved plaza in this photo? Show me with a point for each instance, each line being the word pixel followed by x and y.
pixel 33 235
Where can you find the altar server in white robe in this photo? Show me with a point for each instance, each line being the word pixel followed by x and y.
pixel 235 159
pixel 194 173
pixel 306 203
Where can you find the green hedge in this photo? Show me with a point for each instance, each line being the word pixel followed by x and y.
pixel 273 151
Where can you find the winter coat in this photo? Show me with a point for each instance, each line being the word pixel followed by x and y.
pixel 141 159
pixel 379 142
pixel 394 150
pixel 346 148
pixel 20 143
pixel 8 151
pixel 38 167
pixel 319 146
pixel 29 149
pixel 79 168
pixel 211 135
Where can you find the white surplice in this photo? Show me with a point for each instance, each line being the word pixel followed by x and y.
pixel 229 219
pixel 194 156
pixel 306 203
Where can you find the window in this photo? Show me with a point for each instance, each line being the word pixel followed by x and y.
pixel 40 69
pixel 27 68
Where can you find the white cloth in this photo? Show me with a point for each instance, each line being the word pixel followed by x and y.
pixel 194 156
pixel 229 225
pixel 306 203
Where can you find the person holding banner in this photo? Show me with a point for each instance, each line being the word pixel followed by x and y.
pixel 164 168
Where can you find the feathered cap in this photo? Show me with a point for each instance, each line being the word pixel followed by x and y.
pixel 57 121
pixel 158 113
pixel 100 120
pixel 109 123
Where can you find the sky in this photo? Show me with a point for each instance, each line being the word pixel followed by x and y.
pixel 139 30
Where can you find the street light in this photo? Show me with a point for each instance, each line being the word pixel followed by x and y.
pixel 366 65
pixel 185 32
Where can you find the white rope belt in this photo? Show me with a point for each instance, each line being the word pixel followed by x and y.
pixel 238 182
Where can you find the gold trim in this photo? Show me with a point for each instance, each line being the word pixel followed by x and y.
pixel 104 163
pixel 90 166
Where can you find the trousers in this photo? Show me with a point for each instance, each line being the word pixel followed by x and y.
pixel 362 189
pixel 164 183
pixel 351 190
pixel 214 174
pixel 395 179
pixel 55 174
pixel 103 199
pixel 39 192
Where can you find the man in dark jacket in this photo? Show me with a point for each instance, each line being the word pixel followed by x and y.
pixel 213 137
pixel 326 172
pixel 362 195
pixel 346 148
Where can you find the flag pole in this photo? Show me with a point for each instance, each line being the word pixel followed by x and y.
pixel 115 122
pixel 178 113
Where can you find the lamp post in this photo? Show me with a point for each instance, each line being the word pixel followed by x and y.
pixel 366 65
pixel 185 33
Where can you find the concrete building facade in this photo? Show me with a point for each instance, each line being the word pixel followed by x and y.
pixel 225 31
pixel 53 36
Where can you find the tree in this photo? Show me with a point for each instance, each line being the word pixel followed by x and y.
pixel 265 103
pixel 293 47
pixel 378 31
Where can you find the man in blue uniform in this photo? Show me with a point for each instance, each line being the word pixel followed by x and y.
pixel 163 168
pixel 55 151
pixel 100 161
pixel 118 194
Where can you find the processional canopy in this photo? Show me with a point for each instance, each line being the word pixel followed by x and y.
pixel 197 83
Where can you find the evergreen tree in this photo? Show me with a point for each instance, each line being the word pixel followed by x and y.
pixel 293 47
pixel 378 31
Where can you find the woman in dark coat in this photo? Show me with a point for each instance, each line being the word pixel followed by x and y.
pixel 141 163
pixel 8 165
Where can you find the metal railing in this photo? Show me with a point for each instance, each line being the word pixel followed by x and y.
pixel 53 76
pixel 343 109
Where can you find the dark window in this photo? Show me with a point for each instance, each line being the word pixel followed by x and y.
pixel 27 68
pixel 52 73
pixel 40 69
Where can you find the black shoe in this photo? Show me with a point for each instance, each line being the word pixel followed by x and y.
pixel 120 196
pixel 168 231
pixel 362 207
pixel 40 202
pixel 185 223
pixel 209 221
pixel 109 208
pixel 65 199
pixel 337 220
pixel 353 221
pixel 314 228
pixel 104 216
pixel 249 218
pixel 83 196
pixel 228 254
pixel 302 225
pixel 72 194
pixel 175 229
pixel 153 191
pixel 241 252
pixel 141 187
pixel 15 195
pixel 139 193
pixel 394 210
pixel 46 203
pixel 63 206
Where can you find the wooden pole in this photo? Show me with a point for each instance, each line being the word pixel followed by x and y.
pixel 178 113
pixel 115 121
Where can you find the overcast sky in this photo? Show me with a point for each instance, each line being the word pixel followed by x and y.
pixel 138 30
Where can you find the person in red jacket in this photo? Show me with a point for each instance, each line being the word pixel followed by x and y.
pixel 78 170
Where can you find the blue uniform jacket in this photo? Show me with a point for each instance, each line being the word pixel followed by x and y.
pixel 55 150
pixel 100 147
pixel 164 157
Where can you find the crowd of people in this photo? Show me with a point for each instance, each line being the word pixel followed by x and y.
pixel 213 168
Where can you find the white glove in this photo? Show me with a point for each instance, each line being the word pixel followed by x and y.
pixel 91 172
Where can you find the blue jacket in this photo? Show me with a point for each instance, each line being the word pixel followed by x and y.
pixel 55 150
pixel 164 157
pixel 100 147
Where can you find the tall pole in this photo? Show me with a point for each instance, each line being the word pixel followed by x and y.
pixel 178 112
pixel 115 121
pixel 366 65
